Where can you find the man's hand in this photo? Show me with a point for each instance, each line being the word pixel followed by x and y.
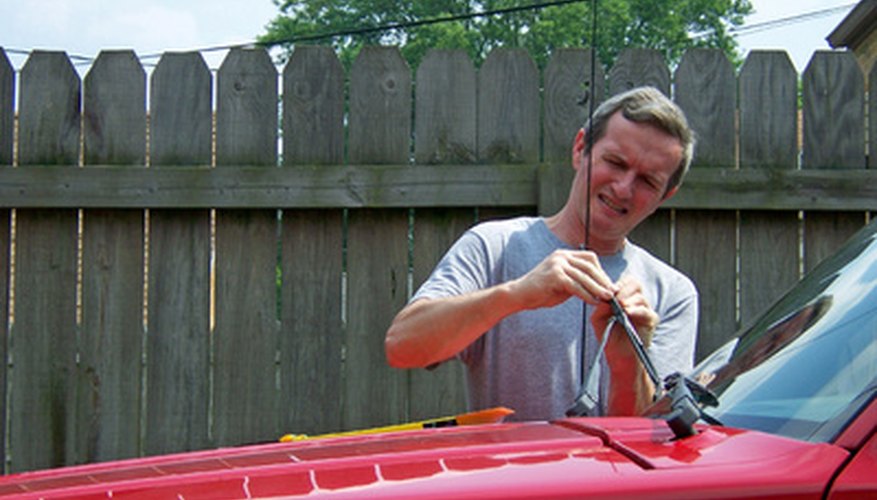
pixel 428 331
pixel 631 389
pixel 564 274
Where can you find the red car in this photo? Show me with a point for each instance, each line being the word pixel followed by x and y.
pixel 795 416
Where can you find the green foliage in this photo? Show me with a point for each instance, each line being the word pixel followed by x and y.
pixel 669 26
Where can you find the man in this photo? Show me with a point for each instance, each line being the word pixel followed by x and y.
pixel 507 299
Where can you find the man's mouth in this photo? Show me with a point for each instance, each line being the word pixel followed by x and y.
pixel 619 209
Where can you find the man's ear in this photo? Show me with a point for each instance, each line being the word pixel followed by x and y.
pixel 578 150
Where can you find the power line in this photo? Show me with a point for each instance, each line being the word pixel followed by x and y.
pixel 387 27
pixel 735 31
pixel 776 23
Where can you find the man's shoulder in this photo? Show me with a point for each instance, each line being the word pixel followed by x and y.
pixel 505 226
pixel 659 267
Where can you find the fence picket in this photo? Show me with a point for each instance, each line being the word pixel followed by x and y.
pixel 7 129
pixel 111 338
pixel 178 337
pixel 42 421
pixel 377 253
pixel 768 127
pixel 508 108
pixel 706 242
pixel 246 326
pixel 567 100
pixel 7 108
pixel 834 138
pixel 445 114
pixel 312 333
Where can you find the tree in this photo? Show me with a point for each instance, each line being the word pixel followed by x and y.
pixel 671 27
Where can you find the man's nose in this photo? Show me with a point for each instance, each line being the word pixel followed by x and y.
pixel 624 185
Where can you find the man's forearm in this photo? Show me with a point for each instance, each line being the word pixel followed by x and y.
pixel 631 391
pixel 429 331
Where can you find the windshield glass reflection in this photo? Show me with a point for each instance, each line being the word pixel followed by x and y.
pixel 810 363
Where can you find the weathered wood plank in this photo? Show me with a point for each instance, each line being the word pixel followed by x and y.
pixel 245 397
pixel 178 313
pixel 246 109
pixel 380 85
pixel 440 391
pixel 110 370
pixel 383 186
pixel 872 118
pixel 768 110
pixel 312 333
pixel 7 129
pixel 7 108
pixel 834 111
pixel 42 427
pixel 768 123
pixel 445 133
pixel 569 97
pixel 246 248
pixel 706 243
pixel 42 404
pixel 508 108
pixel 654 234
pixel 114 110
pixel 445 109
pixel 377 254
pixel 313 107
pixel 706 90
pixel 5 334
pixel 834 137
pixel 312 341
pixel 178 333
pixel 706 251
pixel 377 277
pixel 637 67
pixel 180 111
pixel 244 187
pixel 50 92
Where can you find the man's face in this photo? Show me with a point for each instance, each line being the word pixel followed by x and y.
pixel 633 163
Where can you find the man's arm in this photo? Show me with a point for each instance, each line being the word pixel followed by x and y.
pixel 631 390
pixel 432 330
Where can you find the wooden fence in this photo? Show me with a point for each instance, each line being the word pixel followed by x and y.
pixel 180 275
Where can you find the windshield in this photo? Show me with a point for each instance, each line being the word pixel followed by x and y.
pixel 810 363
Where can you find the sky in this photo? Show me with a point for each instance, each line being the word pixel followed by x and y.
pixel 150 27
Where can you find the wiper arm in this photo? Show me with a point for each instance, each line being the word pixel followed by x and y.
pixel 686 398
pixel 587 401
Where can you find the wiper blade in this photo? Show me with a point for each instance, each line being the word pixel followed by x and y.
pixel 624 321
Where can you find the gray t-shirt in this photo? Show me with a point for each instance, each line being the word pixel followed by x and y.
pixel 531 361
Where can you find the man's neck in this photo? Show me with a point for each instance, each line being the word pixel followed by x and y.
pixel 572 233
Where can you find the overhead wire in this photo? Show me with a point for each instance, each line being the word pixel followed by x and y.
pixel 735 31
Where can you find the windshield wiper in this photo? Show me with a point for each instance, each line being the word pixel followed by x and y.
pixel 686 400
pixel 686 397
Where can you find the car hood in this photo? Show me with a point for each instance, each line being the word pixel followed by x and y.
pixel 595 456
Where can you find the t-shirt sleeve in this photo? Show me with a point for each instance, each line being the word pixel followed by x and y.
pixel 673 343
pixel 463 269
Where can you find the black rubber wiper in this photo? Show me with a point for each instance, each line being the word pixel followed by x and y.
pixel 622 319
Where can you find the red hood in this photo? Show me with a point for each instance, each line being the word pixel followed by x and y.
pixel 598 457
